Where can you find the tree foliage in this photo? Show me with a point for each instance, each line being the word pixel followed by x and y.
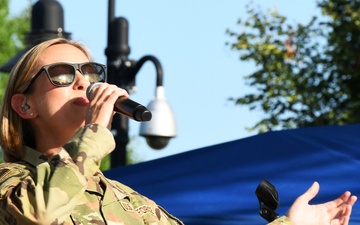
pixel 12 33
pixel 306 75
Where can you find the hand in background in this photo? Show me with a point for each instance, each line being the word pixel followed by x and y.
pixel 335 212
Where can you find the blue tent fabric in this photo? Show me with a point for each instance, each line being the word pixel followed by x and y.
pixel 216 184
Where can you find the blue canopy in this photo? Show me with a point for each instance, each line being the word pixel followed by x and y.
pixel 216 184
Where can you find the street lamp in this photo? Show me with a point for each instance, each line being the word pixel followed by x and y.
pixel 47 22
pixel 161 127
pixel 122 72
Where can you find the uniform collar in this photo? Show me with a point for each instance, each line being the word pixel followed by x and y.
pixel 35 158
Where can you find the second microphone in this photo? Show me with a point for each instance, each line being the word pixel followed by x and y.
pixel 126 107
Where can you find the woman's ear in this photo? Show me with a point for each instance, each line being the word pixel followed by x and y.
pixel 21 107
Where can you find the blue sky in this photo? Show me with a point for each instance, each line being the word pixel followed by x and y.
pixel 200 71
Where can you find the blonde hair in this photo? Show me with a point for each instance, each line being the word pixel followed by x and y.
pixel 15 131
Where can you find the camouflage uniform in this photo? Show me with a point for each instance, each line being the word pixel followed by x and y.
pixel 69 188
pixel 281 221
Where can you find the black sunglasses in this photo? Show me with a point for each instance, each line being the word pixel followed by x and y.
pixel 63 74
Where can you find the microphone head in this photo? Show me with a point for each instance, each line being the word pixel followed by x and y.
pixel 142 114
pixel 89 89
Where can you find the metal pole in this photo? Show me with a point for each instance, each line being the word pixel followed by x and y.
pixel 120 124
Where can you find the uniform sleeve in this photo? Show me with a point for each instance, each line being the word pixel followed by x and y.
pixel 46 198
pixel 55 188
pixel 89 146
pixel 281 221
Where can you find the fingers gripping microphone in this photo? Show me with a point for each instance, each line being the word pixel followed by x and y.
pixel 126 107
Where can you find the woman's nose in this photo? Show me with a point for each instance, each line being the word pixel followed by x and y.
pixel 80 83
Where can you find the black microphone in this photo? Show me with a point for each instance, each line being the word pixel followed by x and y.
pixel 126 106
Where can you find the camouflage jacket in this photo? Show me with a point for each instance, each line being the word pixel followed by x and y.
pixel 69 188
pixel 281 221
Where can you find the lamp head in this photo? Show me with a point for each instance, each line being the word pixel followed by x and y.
pixel 47 22
pixel 161 127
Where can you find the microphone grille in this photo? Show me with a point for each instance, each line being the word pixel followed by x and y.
pixel 89 89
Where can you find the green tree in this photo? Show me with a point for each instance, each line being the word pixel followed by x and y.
pixel 12 33
pixel 306 75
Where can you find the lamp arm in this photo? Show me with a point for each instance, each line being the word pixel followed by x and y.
pixel 159 71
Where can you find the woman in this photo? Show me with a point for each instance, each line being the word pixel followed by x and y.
pixel 54 138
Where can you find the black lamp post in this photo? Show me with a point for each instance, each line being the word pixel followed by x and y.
pixel 122 72
pixel 47 22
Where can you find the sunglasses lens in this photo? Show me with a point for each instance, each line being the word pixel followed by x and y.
pixel 93 72
pixel 61 75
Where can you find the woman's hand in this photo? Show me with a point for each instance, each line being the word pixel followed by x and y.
pixel 101 106
pixel 335 212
